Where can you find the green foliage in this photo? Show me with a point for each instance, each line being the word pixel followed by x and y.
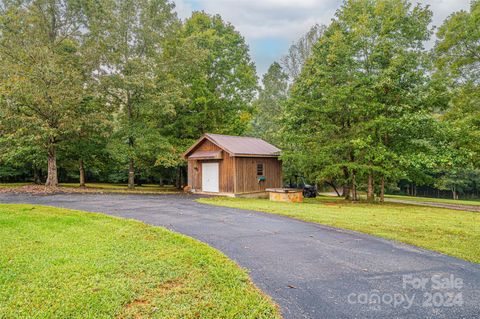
pixel 215 83
pixel 300 51
pixel 457 54
pixel 46 86
pixel 125 87
pixel 458 61
pixel 270 103
pixel 43 76
pixel 224 87
pixel 132 35
pixel 357 106
pixel 458 46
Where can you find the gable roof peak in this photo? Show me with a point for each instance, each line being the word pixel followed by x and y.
pixel 239 145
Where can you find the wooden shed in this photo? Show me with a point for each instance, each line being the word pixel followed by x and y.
pixel 233 165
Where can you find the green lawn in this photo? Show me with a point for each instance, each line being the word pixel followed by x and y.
pixel 435 200
pixel 58 263
pixel 452 232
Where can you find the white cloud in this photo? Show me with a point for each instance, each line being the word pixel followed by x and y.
pixel 291 18
pixel 443 8
pixel 183 9
pixel 271 18
pixel 287 20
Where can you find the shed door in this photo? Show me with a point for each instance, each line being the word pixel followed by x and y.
pixel 210 177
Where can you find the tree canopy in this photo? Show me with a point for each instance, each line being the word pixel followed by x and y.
pixel 116 91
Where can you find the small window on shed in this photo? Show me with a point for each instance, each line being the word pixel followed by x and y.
pixel 259 169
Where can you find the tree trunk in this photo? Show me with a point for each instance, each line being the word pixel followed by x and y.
pixel 454 193
pixel 334 188
pixel 353 179
pixel 131 144
pixel 81 169
pixel 131 174
pixel 52 177
pixel 354 187
pixel 382 189
pixel 346 192
pixel 346 188
pixel 370 191
pixel 336 191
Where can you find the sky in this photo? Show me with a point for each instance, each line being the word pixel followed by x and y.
pixel 271 26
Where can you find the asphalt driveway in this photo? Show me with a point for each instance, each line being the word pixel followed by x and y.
pixel 311 271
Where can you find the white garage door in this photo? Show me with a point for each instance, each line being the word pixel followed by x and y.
pixel 210 177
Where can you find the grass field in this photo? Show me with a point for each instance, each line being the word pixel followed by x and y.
pixel 452 232
pixel 58 263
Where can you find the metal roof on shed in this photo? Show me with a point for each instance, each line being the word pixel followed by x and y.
pixel 240 145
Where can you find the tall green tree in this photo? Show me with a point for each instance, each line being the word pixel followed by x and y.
pixel 300 51
pixel 178 77
pixel 457 62
pixel 224 85
pixel 457 54
pixel 458 45
pixel 211 83
pixel 86 145
pixel 42 74
pixel 358 93
pixel 132 36
pixel 269 104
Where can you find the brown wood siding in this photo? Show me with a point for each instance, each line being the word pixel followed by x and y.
pixel 226 169
pixel 246 174
pixel 207 146
pixel 236 174
pixel 190 174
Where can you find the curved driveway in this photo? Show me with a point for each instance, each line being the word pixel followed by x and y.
pixel 311 271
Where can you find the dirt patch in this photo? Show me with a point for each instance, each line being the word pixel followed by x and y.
pixel 44 190
pixel 468 208
pixel 145 304
pixel 331 204
pixel 138 303
pixel 41 190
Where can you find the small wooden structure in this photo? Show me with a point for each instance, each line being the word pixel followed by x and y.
pixel 233 166
pixel 285 195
